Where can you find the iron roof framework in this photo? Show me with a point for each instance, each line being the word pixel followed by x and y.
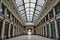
pixel 29 9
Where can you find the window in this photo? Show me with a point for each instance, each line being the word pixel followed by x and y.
pixel 46 17
pixel 0 26
pixel 2 9
pixel 51 14
pixel 58 22
pixel 53 30
pixel 12 18
pixel 43 20
pixel 8 14
pixel 57 8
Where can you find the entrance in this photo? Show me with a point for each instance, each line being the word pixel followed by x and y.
pixel 29 32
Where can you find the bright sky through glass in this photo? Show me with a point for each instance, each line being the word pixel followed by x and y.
pixel 29 9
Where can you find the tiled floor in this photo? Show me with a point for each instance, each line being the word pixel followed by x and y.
pixel 29 37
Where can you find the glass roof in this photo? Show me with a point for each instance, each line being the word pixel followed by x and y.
pixel 29 9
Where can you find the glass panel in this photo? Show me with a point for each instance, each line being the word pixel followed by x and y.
pixel 26 5
pixel 34 1
pixel 32 5
pixel 57 8
pixel 21 8
pixel 28 15
pixel 31 13
pixel 28 18
pixel 19 2
pixel 51 13
pixel 53 30
pixel 38 8
pixel 37 12
pixel 27 9
pixel 22 12
pixel 26 1
pixel 8 14
pixel 40 2
pixel 31 9
pixel 6 30
pixel 58 22
pixel 27 12
pixel 36 15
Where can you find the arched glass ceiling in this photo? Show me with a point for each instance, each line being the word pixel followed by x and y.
pixel 29 9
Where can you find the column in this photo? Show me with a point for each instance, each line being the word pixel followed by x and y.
pixel 13 31
pixel 56 27
pixel 9 29
pixel 3 25
pixel 46 30
pixel 2 33
pixel 50 30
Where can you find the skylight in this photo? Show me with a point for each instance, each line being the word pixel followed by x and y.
pixel 29 9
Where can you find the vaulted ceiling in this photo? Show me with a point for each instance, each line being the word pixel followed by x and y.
pixel 29 10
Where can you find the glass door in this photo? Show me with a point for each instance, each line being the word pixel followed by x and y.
pixel 53 30
pixel 6 30
pixel 58 22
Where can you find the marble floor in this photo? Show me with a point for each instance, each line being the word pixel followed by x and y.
pixel 29 37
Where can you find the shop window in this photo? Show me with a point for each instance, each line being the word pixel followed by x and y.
pixel 0 26
pixel 6 29
pixel 58 22
pixel 53 30
pixel 57 8
pixel 51 14
pixel 8 14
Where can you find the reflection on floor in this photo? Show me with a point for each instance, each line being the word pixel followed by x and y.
pixel 30 37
